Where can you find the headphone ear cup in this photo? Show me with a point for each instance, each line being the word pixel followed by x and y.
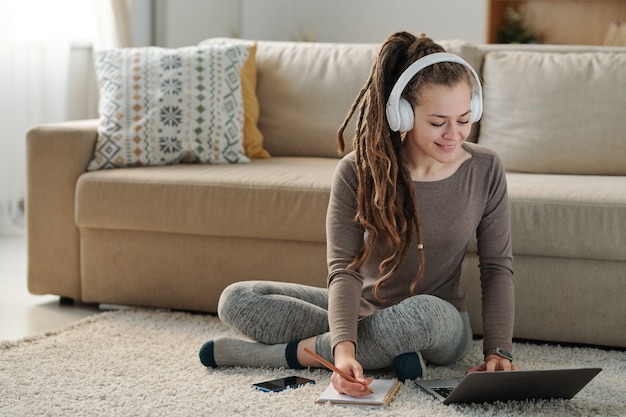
pixel 393 118
pixel 476 106
pixel 405 110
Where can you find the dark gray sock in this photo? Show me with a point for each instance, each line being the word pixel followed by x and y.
pixel 238 352
pixel 409 366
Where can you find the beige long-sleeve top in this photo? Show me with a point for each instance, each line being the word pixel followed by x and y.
pixel 471 202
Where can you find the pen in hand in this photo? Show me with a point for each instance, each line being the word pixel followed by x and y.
pixel 335 369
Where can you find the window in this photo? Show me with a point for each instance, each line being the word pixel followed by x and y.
pixel 29 20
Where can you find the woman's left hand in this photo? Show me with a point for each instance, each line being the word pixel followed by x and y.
pixel 494 363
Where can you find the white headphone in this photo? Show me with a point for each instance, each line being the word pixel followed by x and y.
pixel 399 111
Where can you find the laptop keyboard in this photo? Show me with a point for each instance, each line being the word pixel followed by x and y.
pixel 443 391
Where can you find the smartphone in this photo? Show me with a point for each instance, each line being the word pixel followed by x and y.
pixel 281 384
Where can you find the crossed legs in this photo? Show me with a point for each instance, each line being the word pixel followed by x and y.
pixel 280 316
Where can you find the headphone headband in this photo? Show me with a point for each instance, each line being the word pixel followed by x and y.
pixel 400 117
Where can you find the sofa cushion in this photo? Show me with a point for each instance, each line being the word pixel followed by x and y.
pixel 162 106
pixel 278 198
pixel 559 113
pixel 305 91
pixel 568 216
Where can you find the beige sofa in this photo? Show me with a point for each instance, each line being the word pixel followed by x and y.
pixel 175 236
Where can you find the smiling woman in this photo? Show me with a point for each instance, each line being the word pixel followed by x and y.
pixel 39 44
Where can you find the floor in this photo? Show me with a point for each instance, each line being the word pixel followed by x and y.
pixel 21 313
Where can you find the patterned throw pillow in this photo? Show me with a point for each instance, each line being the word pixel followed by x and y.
pixel 163 106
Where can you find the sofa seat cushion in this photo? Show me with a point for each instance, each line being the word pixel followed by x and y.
pixel 278 198
pixel 568 216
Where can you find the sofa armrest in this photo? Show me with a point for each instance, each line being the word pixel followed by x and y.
pixel 56 155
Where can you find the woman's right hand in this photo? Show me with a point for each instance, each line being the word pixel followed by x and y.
pixel 345 360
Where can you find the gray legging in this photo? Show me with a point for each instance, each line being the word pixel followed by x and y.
pixel 276 312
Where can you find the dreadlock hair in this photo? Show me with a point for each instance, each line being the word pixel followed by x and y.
pixel 382 173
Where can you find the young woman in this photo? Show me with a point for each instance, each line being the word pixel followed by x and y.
pixel 403 208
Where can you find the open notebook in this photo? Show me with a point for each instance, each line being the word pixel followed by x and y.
pixel 384 390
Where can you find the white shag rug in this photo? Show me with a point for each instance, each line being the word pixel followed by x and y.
pixel 141 362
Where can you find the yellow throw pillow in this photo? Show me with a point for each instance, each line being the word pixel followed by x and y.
pixel 252 136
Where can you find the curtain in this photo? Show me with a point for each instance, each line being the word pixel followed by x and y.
pixel 121 21
pixel 45 50
pixel 33 82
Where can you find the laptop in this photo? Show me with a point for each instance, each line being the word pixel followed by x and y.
pixel 485 387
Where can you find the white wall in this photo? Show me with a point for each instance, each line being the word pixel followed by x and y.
pixel 141 22
pixel 187 22
pixel 362 20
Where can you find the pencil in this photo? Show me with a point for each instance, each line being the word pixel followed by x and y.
pixel 335 369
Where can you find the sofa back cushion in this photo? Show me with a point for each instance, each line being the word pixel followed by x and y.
pixel 554 113
pixel 305 90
